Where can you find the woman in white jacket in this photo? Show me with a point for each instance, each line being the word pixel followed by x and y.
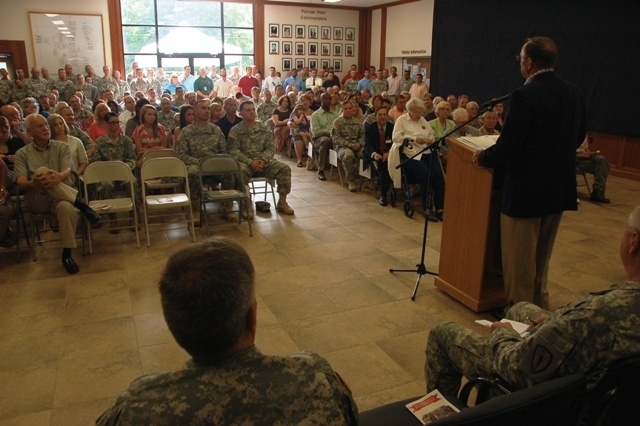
pixel 413 127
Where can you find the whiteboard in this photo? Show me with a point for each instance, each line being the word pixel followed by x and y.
pixel 60 39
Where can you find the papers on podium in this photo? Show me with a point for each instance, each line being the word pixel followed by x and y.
pixel 479 142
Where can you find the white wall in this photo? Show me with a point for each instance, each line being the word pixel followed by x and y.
pixel 15 24
pixel 409 29
pixel 315 16
pixel 376 28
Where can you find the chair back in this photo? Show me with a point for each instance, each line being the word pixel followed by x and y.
pixel 107 171
pixel 159 153
pixel 163 167
pixel 218 164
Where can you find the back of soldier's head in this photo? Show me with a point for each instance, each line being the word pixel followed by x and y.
pixel 207 289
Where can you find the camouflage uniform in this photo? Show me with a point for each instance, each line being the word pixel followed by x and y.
pixel 6 90
pixel 123 86
pixel 247 388
pixel 139 85
pixel 18 94
pixel 83 136
pixel 351 85
pixel 405 85
pixel 103 84
pixel 344 132
pixel 36 86
pixel 265 110
pixel 583 336
pixel 166 119
pixel 379 86
pixel 247 144
pixel 65 88
pixel 121 149
pixel 90 93
pixel 178 102
pixel 194 144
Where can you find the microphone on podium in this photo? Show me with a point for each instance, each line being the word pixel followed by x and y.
pixel 493 102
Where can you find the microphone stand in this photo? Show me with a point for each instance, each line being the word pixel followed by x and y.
pixel 421 268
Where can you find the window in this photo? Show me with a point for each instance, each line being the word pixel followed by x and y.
pixel 157 32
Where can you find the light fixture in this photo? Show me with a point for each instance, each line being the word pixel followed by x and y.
pixel 57 22
pixel 50 15
pixel 330 1
pixel 63 28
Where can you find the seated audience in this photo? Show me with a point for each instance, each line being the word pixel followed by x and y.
pixel 8 145
pixel 377 143
pixel 230 117
pixel 348 139
pixel 149 134
pixel 8 238
pixel 60 132
pixel 489 121
pixel 280 116
pixel 593 162
pixel 187 116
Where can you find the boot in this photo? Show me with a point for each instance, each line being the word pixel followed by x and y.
pixel 229 214
pixel 282 206
pixel 195 209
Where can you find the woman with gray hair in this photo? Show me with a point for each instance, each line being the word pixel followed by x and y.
pixel 413 129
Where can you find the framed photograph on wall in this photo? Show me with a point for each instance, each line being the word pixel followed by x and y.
pixel 337 33
pixel 286 64
pixel 300 48
pixel 313 49
pixel 299 63
pixel 350 34
pixel 300 31
pixel 274 30
pixel 326 49
pixel 337 49
pixel 337 65
pixel 273 47
pixel 325 64
pixel 287 31
pixel 287 48
pixel 313 31
pixel 313 64
pixel 349 49
pixel 326 33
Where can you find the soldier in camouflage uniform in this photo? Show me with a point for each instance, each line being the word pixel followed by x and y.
pixel 107 82
pixel 351 84
pixel 253 145
pixel 265 109
pixel 6 87
pixel 209 304
pixel 19 92
pixel 139 84
pixel 197 141
pixel 123 86
pixel 166 114
pixel 584 336
pixel 406 81
pixel 35 85
pixel 347 134
pixel 64 86
pixel 379 85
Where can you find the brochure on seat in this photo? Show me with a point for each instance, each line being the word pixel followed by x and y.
pixel 431 407
pixel 520 327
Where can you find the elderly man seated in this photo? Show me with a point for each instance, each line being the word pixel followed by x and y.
pixel 42 170
pixel 584 336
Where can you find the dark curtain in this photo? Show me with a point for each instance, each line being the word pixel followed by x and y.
pixel 475 44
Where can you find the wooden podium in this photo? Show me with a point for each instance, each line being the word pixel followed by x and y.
pixel 470 268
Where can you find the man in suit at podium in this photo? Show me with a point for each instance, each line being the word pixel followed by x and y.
pixel 535 155
pixel 377 143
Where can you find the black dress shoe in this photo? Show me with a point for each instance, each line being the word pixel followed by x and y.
pixel 321 175
pixel 431 216
pixel 70 265
pixel 91 216
pixel 599 198
pixel 383 200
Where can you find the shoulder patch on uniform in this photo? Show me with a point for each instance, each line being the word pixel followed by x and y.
pixel 541 359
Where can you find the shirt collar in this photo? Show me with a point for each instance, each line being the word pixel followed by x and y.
pixel 531 77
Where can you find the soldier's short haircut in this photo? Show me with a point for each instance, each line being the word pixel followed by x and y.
pixel 207 290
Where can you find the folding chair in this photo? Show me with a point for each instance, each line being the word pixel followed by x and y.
pixel 156 168
pixel 335 162
pixel 584 176
pixel 109 171
pixel 158 184
pixel 226 168
pixel 259 183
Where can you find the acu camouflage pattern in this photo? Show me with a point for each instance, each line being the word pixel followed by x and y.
pixel 405 85
pixel 344 132
pixel 103 84
pixel 167 120
pixel 265 110
pixel 351 85
pixel 257 142
pixel 37 86
pixel 379 86
pixel 194 144
pixel 122 149
pixel 83 136
pixel 584 336
pixel 6 91
pixel 248 388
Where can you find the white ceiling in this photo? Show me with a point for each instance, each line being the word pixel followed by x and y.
pixel 343 3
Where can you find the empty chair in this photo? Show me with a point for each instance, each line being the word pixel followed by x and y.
pixel 165 167
pixel 158 183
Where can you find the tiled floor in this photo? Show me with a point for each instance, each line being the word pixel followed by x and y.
pixel 70 344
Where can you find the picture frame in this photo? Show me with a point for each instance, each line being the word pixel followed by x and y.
pixel 325 33
pixel 300 30
pixel 350 34
pixel 313 64
pixel 337 33
pixel 313 32
pixel 313 49
pixel 287 48
pixel 299 63
pixel 325 49
pixel 325 64
pixel 337 49
pixel 300 48
pixel 349 49
pixel 51 47
pixel 274 30
pixel 337 65
pixel 286 64
pixel 287 31
pixel 274 47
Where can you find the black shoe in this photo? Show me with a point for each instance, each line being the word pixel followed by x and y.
pixel 599 198
pixel 383 200
pixel 431 216
pixel 91 215
pixel 70 265
pixel 320 175
pixel 497 313
pixel 10 239
pixel 440 216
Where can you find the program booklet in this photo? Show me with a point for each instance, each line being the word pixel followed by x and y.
pixel 431 407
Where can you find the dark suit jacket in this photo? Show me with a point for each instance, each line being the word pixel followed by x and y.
pixel 372 140
pixel 535 153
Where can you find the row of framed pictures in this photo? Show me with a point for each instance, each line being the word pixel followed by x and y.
pixel 313 64
pixel 311 32
pixel 311 48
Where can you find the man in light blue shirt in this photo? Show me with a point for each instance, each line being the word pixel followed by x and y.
pixel 365 83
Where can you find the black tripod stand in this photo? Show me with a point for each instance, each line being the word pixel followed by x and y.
pixel 421 268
